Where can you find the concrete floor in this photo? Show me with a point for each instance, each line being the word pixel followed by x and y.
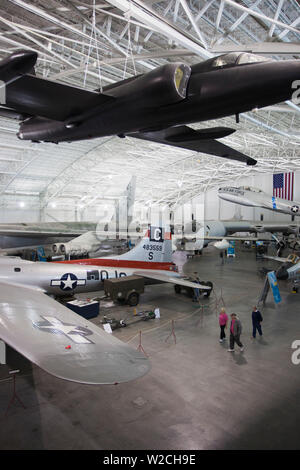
pixel 196 396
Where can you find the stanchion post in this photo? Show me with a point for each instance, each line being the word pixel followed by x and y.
pixel 172 333
pixel 140 347
pixel 15 396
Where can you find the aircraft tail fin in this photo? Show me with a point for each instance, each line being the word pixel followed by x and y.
pixel 155 247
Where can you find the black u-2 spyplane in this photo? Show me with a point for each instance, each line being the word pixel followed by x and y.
pixel 155 106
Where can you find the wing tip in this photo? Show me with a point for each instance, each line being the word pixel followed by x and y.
pixel 251 161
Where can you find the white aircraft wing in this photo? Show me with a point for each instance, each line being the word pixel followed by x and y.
pixel 278 258
pixel 62 342
pixel 174 280
pixel 211 237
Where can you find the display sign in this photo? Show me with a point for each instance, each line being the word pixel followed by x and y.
pixel 274 285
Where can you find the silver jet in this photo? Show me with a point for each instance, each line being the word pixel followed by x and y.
pixel 253 197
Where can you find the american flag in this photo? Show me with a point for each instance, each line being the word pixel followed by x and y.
pixel 283 185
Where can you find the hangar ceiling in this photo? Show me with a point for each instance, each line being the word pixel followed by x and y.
pixel 93 43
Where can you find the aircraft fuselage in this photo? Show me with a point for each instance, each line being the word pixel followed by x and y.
pixel 210 94
pixel 256 198
pixel 67 278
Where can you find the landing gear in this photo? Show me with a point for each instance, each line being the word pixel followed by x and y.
pixel 177 288
pixel 190 291
pixel 133 299
pixel 206 293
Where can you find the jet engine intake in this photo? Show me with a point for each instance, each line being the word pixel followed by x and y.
pixel 59 248
pixel 17 64
pixel 162 86
pixel 40 129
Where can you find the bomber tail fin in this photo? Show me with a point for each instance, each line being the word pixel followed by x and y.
pixel 155 247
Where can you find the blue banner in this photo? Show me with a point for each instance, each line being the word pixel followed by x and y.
pixel 41 253
pixel 231 248
pixel 274 284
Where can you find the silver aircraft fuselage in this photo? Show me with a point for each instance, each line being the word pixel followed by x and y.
pixel 52 278
pixel 252 197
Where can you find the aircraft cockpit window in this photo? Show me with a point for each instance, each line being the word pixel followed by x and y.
pixel 250 188
pixel 292 258
pixel 93 275
pixel 226 59
pixel 246 58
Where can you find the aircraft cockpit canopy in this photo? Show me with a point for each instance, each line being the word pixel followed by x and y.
pixel 250 188
pixel 231 59
pixel 238 58
pixel 292 258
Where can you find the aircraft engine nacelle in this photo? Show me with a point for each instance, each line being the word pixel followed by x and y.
pixel 81 245
pixel 17 64
pixel 164 85
pixel 222 245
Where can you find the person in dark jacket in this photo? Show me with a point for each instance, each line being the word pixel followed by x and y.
pixel 256 322
pixel 235 333
pixel 196 296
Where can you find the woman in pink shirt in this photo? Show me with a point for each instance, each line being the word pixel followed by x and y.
pixel 223 319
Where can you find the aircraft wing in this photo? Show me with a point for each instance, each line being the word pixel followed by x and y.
pixel 234 226
pixel 173 280
pixel 39 97
pixel 63 343
pixel 211 237
pixel 198 140
pixel 40 233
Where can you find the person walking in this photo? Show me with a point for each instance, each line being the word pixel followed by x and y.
pixel 223 319
pixel 256 322
pixel 196 296
pixel 235 333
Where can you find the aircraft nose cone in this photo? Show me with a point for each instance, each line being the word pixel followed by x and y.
pixel 24 60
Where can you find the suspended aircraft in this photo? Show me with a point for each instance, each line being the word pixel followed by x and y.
pixel 253 197
pixel 155 106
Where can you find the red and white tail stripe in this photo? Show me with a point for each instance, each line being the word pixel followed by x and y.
pixel 153 251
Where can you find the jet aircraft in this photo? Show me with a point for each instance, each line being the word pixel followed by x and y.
pixel 253 197
pixel 154 106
